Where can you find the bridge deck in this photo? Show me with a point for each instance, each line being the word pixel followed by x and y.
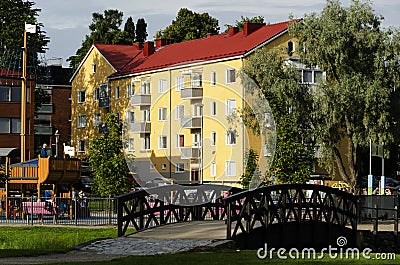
pixel 202 230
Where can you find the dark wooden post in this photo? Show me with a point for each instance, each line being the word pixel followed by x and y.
pixel 228 222
pixel 119 216
pixel 396 222
pixel 376 220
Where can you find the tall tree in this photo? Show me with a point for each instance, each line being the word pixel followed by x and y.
pixel 239 23
pixel 105 29
pixel 291 103
pixel 251 168
pixel 360 60
pixel 189 25
pixel 129 28
pixel 141 31
pixel 13 15
pixel 107 160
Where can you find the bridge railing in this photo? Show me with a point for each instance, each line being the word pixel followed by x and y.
pixel 162 205
pixel 286 203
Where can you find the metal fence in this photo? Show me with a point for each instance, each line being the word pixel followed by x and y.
pixel 64 211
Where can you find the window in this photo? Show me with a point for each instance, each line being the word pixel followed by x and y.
pixel 12 94
pixel 94 68
pixel 180 167
pixel 146 115
pixel 230 137
pixel 162 142
pixel 81 146
pixel 310 76
pixel 145 87
pixel 213 169
pixel 5 93
pixel 213 138
pixel 213 78
pixel 162 114
pixel 179 83
pixel 230 76
pixel 81 121
pixel 117 92
pixel 130 117
pixel 146 143
pixel 164 166
pixel 129 90
pixel 10 125
pixel 213 108
pixel 230 168
pixel 96 119
pixel 96 94
pixel 81 96
pixel 180 140
pixel 70 118
pixel 197 110
pixel 69 97
pixel 197 80
pixel 104 91
pixel 267 120
pixel 230 106
pixel 131 144
pixel 162 85
pixel 290 47
pixel 317 76
pixel 179 112
pixel 196 139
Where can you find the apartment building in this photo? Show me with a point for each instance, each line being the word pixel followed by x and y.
pixel 180 104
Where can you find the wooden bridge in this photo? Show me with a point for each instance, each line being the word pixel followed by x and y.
pixel 280 215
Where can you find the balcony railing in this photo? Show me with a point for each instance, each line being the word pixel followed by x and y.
pixel 140 100
pixel 190 93
pixel 104 102
pixel 43 130
pixel 45 109
pixel 191 122
pixel 140 127
pixel 189 152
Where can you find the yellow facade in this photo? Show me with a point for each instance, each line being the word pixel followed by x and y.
pixel 178 124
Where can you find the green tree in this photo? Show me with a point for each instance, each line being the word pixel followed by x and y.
pixel 13 16
pixel 105 29
pixel 291 103
pixel 141 31
pixel 239 23
pixel 354 103
pixel 251 168
pixel 129 28
pixel 107 161
pixel 189 25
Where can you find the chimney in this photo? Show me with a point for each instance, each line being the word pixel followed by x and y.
pixel 148 48
pixel 163 42
pixel 249 28
pixel 232 31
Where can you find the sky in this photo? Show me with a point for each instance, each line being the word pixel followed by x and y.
pixel 67 22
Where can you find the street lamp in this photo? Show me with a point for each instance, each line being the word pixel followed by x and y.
pixel 200 105
pixel 57 135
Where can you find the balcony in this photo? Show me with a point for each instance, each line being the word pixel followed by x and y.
pixel 141 100
pixel 140 127
pixel 45 109
pixel 191 122
pixel 104 102
pixel 191 93
pixel 43 130
pixel 190 152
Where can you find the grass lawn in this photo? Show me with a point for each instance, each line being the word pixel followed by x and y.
pixel 36 240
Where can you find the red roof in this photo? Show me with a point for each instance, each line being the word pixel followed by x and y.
pixel 119 55
pixel 205 49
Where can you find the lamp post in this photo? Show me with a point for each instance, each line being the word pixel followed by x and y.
pixel 57 135
pixel 200 105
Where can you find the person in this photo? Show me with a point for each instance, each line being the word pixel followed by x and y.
pixel 43 152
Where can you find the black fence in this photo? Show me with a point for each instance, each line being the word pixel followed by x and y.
pixel 61 211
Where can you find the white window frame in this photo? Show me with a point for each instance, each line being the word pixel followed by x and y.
pixel 179 112
pixel 146 145
pixel 230 106
pixel 179 83
pixel 96 119
pixel 213 169
pixel 229 76
pixel 94 68
pixel 130 90
pixel 162 86
pixel 145 87
pixel 81 146
pixel 178 140
pixel 81 96
pixel 229 139
pixel 230 168
pixel 180 168
pixel 162 142
pixel 213 138
pixel 96 94
pixel 213 78
pixel 162 114
pixel 117 92
pixel 131 144
pixel 130 116
pixel 81 121
pixel 196 80
pixel 213 108
pixel 145 115
pixel 163 166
